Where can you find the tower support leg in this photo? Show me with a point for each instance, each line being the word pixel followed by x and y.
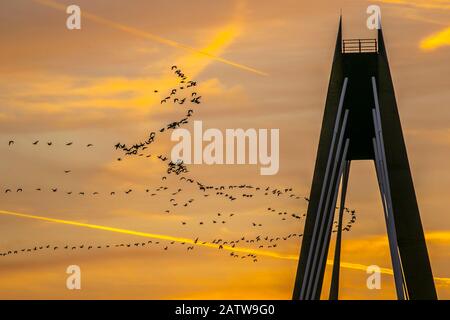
pixel 334 288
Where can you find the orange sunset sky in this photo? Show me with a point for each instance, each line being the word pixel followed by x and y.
pixel 258 64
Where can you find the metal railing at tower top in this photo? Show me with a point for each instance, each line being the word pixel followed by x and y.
pixel 359 45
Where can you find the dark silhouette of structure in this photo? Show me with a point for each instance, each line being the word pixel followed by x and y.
pixel 361 122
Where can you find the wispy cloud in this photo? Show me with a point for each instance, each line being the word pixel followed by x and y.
pixel 224 36
pixel 59 96
pixel 435 40
pixel 425 4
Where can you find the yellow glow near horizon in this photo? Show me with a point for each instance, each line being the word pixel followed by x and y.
pixel 265 253
pixel 148 35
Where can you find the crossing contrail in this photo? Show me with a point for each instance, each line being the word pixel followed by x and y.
pixel 147 35
pixel 265 253
pixel 151 235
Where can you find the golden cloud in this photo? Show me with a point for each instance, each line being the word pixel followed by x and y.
pixel 436 40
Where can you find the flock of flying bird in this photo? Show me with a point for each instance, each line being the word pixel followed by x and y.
pixel 48 143
pixel 131 245
pixel 182 87
pixel 258 241
pixel 230 192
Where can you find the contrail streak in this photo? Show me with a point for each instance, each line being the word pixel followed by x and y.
pixel 436 40
pixel 151 235
pixel 346 265
pixel 148 35
pixel 418 4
